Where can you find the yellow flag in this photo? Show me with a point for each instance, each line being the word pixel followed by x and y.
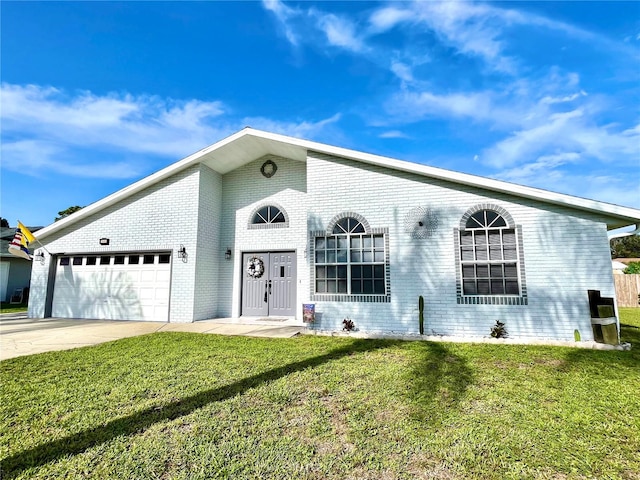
pixel 26 234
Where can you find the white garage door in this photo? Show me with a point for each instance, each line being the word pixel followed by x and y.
pixel 132 286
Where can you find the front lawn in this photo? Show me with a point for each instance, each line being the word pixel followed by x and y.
pixel 176 405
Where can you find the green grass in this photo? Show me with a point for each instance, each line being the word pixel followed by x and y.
pixel 12 307
pixel 629 318
pixel 191 406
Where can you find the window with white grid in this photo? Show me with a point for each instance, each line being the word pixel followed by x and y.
pixel 489 263
pixel 350 260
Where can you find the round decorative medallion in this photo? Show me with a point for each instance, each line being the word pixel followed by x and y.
pixel 269 169
pixel 255 267
pixel 420 222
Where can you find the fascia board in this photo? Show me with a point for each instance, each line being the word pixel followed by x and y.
pixel 136 186
pixel 617 212
pixel 622 215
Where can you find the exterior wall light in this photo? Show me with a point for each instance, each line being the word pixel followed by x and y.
pixel 182 252
pixel 40 257
pixel 227 254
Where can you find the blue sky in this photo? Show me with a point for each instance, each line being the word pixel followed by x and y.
pixel 96 95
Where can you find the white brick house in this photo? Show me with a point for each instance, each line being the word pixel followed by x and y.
pixel 358 235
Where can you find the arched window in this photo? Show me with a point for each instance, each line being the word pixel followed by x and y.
pixel 269 216
pixel 489 263
pixel 350 259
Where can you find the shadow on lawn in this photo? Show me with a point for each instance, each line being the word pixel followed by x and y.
pixel 440 380
pixel 432 379
pixel 605 363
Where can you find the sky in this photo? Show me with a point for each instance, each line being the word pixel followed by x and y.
pixel 97 95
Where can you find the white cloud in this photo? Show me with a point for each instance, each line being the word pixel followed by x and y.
pixel 39 158
pixel 473 29
pixel 387 18
pixel 302 129
pixel 478 29
pixel 619 190
pixel 525 174
pixel 402 71
pixel 565 133
pixel 47 130
pixel 393 134
pixel 525 144
pixel 299 25
pixel 408 106
pixel 283 14
pixel 339 31
pixel 565 99
pixel 141 124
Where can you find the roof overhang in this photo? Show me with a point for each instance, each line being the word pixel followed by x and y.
pixel 249 144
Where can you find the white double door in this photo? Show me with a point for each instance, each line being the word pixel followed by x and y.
pixel 269 284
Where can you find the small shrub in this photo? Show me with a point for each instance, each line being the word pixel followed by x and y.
pixel 498 330
pixel 632 268
pixel 348 325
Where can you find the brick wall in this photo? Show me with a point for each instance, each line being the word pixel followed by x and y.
pixel 209 253
pixel 161 217
pixel 565 254
pixel 244 190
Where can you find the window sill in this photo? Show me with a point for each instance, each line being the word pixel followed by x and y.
pixel 343 297
pixel 492 300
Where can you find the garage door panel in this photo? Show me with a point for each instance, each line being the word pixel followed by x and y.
pixel 162 294
pixel 163 276
pixel 147 293
pixel 123 291
pixel 148 276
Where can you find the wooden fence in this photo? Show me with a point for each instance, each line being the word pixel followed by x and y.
pixel 627 290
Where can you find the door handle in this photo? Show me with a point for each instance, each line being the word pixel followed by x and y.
pixel 269 287
pixel 266 290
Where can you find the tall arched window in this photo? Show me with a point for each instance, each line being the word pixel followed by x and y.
pixel 350 260
pixel 489 260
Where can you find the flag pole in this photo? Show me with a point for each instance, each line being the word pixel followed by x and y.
pixel 26 232
pixel 43 247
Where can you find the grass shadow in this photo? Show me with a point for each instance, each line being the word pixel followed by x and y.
pixel 440 380
pixel 81 441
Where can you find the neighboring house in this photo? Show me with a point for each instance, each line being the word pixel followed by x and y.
pixel 258 224
pixel 15 272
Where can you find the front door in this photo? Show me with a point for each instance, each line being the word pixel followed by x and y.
pixel 269 284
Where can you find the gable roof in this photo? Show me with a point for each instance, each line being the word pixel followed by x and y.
pixel 250 144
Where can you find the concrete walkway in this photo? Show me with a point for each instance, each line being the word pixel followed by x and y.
pixel 20 335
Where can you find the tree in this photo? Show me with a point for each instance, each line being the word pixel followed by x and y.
pixel 67 212
pixel 4 223
pixel 625 247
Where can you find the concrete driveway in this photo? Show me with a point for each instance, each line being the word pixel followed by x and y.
pixel 20 335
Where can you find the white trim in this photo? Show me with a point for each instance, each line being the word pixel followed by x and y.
pixel 616 216
pixel 635 231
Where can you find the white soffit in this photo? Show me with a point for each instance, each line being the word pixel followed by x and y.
pixel 248 148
